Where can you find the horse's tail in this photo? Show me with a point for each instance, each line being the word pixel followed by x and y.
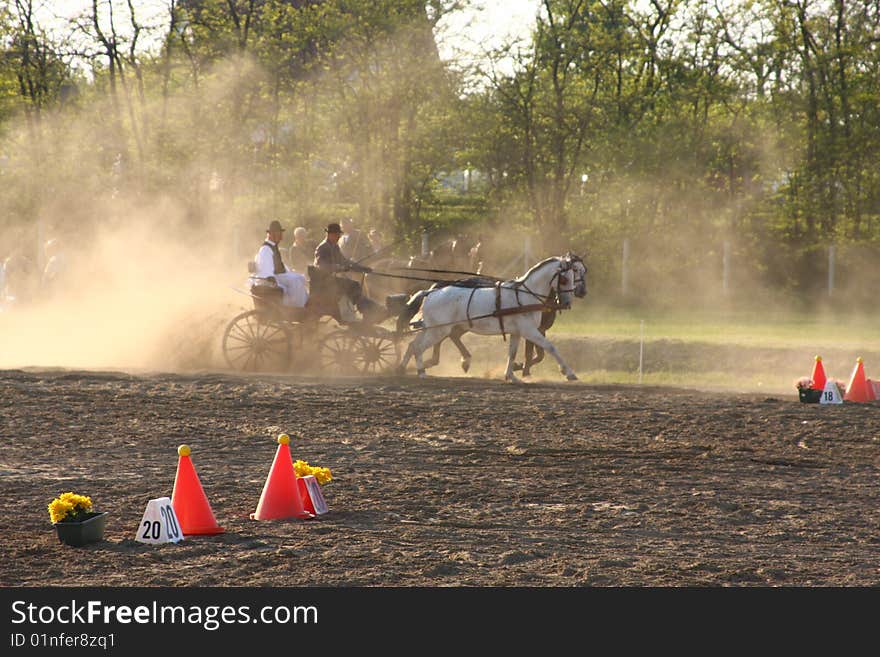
pixel 413 305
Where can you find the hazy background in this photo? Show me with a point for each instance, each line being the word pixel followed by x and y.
pixel 702 159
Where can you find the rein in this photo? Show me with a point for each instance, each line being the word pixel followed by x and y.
pixel 409 278
pixel 435 280
pixel 469 274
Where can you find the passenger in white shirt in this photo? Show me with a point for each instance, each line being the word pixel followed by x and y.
pixel 269 264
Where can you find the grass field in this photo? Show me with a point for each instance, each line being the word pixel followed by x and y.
pixel 709 350
pixel 771 329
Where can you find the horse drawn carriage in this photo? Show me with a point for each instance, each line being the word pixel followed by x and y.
pixel 320 336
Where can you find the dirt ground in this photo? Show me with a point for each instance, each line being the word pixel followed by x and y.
pixel 449 481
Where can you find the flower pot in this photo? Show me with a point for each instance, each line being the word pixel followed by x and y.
pixel 77 534
pixel 809 395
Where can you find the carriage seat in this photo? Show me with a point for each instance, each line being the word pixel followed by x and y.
pixel 266 294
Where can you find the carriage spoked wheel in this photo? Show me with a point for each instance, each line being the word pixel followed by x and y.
pixel 376 354
pixel 347 352
pixel 253 342
pixel 337 352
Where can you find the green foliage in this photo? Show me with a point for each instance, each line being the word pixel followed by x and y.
pixel 755 123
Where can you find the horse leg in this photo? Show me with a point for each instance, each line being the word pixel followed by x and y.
pixel 529 359
pixel 435 356
pixel 455 335
pixel 534 355
pixel 401 368
pixel 524 366
pixel 427 338
pixel 532 348
pixel 511 354
pixel 542 342
pixel 413 349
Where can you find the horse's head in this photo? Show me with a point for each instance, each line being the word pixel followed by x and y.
pixel 572 278
pixel 579 275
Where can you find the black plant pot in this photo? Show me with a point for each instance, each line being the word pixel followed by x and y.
pixel 809 396
pixel 77 534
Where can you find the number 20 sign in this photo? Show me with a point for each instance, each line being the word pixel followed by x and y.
pixel 159 524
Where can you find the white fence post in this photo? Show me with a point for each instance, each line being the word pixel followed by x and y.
pixel 425 249
pixel 830 270
pixel 624 269
pixel 641 347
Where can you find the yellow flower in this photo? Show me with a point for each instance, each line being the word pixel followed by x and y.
pixel 322 475
pixel 303 469
pixel 69 506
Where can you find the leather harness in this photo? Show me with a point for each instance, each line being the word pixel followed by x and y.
pixel 545 306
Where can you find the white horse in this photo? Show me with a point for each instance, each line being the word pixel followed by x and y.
pixel 510 307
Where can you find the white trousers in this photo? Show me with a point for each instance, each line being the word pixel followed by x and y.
pixel 294 286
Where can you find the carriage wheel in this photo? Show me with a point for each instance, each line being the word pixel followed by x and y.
pixel 337 352
pixel 376 355
pixel 253 343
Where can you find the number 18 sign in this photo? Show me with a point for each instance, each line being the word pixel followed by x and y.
pixel 159 524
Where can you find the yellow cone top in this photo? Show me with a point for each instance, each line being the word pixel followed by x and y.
pixel 283 439
pixel 859 359
pixel 819 358
pixel 183 450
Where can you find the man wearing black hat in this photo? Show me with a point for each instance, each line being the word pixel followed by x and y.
pixel 329 258
pixel 269 265
pixel 353 243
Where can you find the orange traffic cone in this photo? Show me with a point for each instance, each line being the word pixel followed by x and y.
pixel 857 388
pixel 280 498
pixel 189 500
pixel 818 375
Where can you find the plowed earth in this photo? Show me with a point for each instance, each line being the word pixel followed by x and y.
pixel 448 481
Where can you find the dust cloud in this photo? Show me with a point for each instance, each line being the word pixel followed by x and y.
pixel 145 286
pixel 139 283
pixel 131 301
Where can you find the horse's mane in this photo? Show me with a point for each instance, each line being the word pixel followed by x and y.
pixel 536 267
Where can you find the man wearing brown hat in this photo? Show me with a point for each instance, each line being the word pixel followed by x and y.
pixel 268 265
pixel 329 258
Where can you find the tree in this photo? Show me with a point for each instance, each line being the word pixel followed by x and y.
pixel 555 102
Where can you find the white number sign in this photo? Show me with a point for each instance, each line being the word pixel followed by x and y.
pixel 159 524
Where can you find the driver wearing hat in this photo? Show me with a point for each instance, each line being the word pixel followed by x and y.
pixel 329 258
pixel 269 265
